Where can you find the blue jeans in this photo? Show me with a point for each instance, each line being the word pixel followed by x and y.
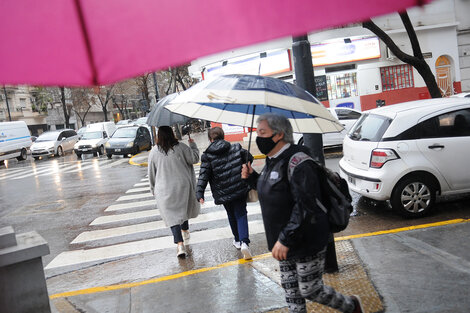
pixel 176 230
pixel 236 212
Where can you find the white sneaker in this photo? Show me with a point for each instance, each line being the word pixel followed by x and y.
pixel 237 244
pixel 181 251
pixel 246 251
pixel 186 235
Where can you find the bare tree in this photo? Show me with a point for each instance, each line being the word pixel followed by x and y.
pixel 66 109
pixel 416 60
pixel 176 79
pixel 105 94
pixel 143 86
pixel 82 101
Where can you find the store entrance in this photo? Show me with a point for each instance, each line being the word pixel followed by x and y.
pixel 342 90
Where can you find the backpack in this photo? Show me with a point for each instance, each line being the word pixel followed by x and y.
pixel 336 197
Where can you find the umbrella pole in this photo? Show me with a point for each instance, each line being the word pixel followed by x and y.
pixel 251 129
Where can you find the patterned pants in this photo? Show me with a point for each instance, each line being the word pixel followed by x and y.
pixel 301 279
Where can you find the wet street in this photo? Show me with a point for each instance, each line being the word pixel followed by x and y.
pixel 102 226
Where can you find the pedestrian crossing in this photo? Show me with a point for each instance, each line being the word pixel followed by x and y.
pixel 132 225
pixel 54 167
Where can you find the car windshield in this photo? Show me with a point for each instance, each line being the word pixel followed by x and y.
pixel 125 133
pixel 81 130
pixel 48 137
pixel 92 135
pixel 369 127
pixel 122 122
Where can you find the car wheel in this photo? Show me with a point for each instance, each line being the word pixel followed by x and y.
pixel 23 155
pixel 101 151
pixel 79 155
pixel 60 151
pixel 413 197
pixel 109 156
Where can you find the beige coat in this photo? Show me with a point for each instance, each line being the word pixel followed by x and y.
pixel 173 182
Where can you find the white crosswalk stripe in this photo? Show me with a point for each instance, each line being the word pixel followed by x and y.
pixel 135 227
pixel 53 167
pixel 137 196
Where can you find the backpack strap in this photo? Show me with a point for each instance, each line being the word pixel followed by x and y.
pixel 296 159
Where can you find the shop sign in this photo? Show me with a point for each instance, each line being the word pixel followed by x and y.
pixel 266 63
pixel 341 51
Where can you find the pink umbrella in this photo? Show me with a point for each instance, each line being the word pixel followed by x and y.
pixel 97 42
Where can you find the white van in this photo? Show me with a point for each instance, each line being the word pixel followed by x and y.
pixel 15 140
pixel 94 138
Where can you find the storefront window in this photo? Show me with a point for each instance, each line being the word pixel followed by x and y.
pixel 342 86
pixel 397 77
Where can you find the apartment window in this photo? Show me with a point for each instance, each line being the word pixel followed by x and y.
pixel 23 102
pixel 397 77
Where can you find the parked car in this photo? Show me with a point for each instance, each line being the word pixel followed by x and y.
pixel 80 132
pixel 346 116
pixel 15 140
pixel 141 121
pixel 128 140
pixel 410 152
pixel 122 123
pixel 92 142
pixel 54 143
pixel 94 139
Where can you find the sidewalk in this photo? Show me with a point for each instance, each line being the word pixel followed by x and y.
pixel 422 270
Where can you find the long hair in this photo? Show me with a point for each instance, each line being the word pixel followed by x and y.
pixel 166 139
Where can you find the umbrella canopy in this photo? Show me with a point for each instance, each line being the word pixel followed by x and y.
pixel 160 116
pixel 238 99
pixel 97 42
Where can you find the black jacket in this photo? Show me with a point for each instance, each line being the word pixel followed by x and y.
pixel 289 211
pixel 221 166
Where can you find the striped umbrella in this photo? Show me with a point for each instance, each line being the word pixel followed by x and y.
pixel 238 99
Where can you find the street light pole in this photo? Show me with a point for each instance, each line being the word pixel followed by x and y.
pixel 6 101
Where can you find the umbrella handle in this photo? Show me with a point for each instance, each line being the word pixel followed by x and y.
pixel 251 129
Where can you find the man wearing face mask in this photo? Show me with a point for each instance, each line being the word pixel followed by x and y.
pixel 296 228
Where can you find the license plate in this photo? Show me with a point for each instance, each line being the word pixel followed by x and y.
pixel 352 180
pixel 118 150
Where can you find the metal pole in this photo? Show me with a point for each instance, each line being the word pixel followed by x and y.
pixel 304 78
pixel 6 101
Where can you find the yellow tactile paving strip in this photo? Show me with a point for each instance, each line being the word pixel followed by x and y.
pixel 351 279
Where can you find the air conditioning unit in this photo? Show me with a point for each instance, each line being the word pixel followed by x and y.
pixel 389 55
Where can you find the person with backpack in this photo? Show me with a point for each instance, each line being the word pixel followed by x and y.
pixel 296 227
pixel 221 164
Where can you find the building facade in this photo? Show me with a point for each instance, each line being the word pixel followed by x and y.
pixel 353 68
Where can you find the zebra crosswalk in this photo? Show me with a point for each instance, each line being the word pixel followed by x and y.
pixel 54 167
pixel 133 225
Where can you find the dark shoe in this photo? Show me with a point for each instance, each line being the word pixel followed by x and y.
pixel 357 305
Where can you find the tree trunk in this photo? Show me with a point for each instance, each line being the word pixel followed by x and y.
pixel 64 107
pixel 416 60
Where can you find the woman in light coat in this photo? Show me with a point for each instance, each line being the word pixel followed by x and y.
pixel 173 183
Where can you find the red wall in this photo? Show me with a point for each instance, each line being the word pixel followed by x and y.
pixel 394 96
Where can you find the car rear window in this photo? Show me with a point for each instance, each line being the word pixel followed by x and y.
pixel 370 127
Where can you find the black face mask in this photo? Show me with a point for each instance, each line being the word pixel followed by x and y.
pixel 265 144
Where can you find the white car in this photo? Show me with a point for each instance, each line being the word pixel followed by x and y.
pixel 410 152
pixel 55 142
pixel 346 116
pixel 92 142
